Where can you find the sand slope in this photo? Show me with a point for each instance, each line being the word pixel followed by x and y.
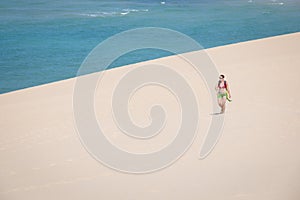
pixel 257 156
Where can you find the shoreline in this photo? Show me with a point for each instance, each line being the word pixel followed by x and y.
pixel 157 59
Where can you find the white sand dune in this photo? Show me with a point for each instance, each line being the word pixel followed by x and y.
pixel 257 156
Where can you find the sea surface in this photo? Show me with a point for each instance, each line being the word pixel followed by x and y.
pixel 42 41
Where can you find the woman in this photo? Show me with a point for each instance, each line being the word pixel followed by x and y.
pixel 223 92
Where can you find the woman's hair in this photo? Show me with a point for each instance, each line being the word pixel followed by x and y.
pixel 222 76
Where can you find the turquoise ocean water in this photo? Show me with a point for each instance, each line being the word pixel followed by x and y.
pixel 42 41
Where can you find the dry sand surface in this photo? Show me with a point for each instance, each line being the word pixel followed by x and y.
pixel 257 156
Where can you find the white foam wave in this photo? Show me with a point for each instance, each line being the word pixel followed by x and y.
pixel 123 12
pixel 279 3
pixel 275 2
pixel 130 10
pixel 99 14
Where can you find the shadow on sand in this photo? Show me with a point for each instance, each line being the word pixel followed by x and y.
pixel 217 113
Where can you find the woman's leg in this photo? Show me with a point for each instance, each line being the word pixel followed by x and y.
pixel 223 104
pixel 220 102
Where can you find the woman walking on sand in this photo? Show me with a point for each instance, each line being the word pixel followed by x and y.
pixel 223 92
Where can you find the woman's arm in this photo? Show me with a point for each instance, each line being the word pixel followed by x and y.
pixel 228 90
pixel 216 88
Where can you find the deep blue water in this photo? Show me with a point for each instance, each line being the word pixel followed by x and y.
pixel 44 41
